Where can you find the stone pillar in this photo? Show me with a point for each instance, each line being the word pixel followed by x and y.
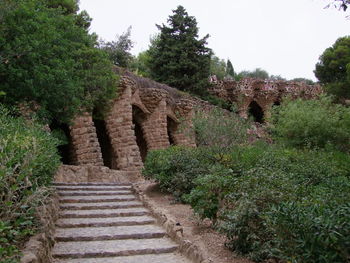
pixel 120 130
pixel 184 134
pixel 85 142
pixel 155 128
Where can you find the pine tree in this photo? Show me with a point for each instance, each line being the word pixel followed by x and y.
pixel 178 58
pixel 229 69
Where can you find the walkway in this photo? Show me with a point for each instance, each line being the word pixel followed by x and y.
pixel 106 223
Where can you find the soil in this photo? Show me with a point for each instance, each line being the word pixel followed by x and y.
pixel 195 230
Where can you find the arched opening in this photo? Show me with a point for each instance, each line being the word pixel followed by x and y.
pixel 65 148
pixel 108 156
pixel 171 128
pixel 256 112
pixel 277 103
pixel 138 116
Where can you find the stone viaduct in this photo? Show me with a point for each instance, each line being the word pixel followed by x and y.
pixel 255 97
pixel 147 115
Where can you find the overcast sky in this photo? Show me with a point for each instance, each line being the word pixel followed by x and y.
pixel 284 37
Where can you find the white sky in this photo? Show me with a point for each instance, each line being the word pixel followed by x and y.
pixel 284 37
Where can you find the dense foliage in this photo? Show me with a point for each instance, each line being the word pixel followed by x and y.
pixel 288 201
pixel 28 160
pixel 177 57
pixel 313 123
pixel 119 50
pixel 48 57
pixel 333 68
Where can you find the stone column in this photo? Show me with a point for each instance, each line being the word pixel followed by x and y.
pixel 155 128
pixel 120 130
pixel 85 142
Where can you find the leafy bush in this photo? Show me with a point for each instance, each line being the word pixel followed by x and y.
pixel 210 191
pixel 253 220
pixel 315 123
pixel 28 160
pixel 175 169
pixel 220 130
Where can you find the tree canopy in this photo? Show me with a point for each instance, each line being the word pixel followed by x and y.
pixel 178 57
pixel 119 50
pixel 333 68
pixel 48 57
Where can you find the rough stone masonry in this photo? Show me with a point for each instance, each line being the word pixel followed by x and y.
pixel 146 115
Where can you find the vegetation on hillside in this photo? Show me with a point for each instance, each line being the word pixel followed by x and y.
pixel 47 57
pixel 288 200
pixel 28 161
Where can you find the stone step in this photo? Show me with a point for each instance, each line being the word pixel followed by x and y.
pixel 152 258
pixel 137 211
pixel 112 248
pixel 98 198
pixel 93 188
pixel 91 193
pixel 101 205
pixel 109 221
pixel 108 233
pixel 92 184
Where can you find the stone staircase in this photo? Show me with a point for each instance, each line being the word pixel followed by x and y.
pixel 106 223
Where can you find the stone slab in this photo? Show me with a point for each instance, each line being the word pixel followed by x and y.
pixel 106 221
pixel 110 248
pixel 91 193
pixel 104 213
pixel 161 258
pixel 100 205
pixel 92 184
pixel 93 188
pixel 98 198
pixel 108 233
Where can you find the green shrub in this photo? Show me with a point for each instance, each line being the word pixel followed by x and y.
pixel 208 195
pixel 175 169
pixel 28 160
pixel 260 221
pixel 316 123
pixel 315 228
pixel 220 130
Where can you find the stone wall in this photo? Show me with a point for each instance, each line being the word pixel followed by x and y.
pixel 264 92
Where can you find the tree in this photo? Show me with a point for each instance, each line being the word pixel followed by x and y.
pixel 333 68
pixel 303 80
pixel 217 67
pixel 178 58
pixel 119 50
pixel 229 69
pixel 48 57
pixel 140 64
pixel 257 73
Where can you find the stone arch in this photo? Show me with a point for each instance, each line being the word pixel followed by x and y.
pixel 138 119
pixel 256 111
pixel 66 149
pixel 108 154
